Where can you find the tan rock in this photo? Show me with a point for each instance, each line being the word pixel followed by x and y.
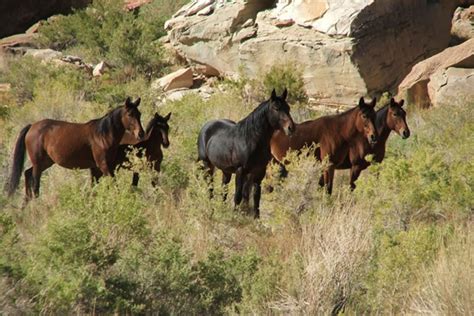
pixel 182 78
pixel 206 70
pixel 100 69
pixel 452 86
pixel 345 48
pixel 463 24
pixel 415 85
pixel 44 54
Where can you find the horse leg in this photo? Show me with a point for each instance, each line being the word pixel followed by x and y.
pixel 209 177
pixel 101 162
pixel 136 178
pixel 239 182
pixel 356 169
pixel 321 181
pixel 329 178
pixel 37 171
pixel 28 184
pixel 283 173
pixel 246 188
pixel 96 174
pixel 157 168
pixel 257 192
pixel 226 177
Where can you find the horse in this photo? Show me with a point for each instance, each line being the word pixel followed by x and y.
pixel 156 135
pixel 335 134
pixel 389 118
pixel 72 145
pixel 243 148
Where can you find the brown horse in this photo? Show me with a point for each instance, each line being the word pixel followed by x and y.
pixel 389 118
pixel 335 134
pixel 72 145
pixel 156 135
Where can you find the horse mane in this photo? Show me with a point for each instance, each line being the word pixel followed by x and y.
pixel 150 125
pixel 380 117
pixel 109 121
pixel 252 124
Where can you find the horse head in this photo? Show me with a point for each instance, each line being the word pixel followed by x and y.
pixel 365 121
pixel 161 123
pixel 131 119
pixel 279 113
pixel 396 118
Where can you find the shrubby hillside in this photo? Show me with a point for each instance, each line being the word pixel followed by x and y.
pixel 401 243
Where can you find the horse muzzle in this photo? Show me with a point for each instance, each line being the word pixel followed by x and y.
pixel 372 140
pixel 289 130
pixel 405 134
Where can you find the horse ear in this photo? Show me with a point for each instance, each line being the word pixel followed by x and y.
pixel 137 102
pixel 373 103
pixel 167 117
pixel 285 94
pixel 361 102
pixel 128 102
pixel 401 103
pixel 274 95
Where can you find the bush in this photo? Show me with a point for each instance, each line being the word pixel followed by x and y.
pixel 105 31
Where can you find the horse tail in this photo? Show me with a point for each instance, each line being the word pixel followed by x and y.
pixel 202 156
pixel 18 162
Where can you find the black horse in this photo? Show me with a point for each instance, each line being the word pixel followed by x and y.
pixel 243 148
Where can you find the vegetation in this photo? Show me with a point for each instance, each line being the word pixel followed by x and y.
pixel 401 243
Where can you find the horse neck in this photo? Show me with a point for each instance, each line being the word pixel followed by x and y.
pixel 256 127
pixel 111 127
pixel 383 130
pixel 348 131
pixel 155 139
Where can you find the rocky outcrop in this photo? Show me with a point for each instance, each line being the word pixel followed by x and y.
pixel 452 86
pixel 463 24
pixel 345 48
pixel 417 87
pixel 18 16
pixel 179 79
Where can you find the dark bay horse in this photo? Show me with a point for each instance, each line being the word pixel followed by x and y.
pixel 72 145
pixel 243 148
pixel 156 135
pixel 389 118
pixel 335 134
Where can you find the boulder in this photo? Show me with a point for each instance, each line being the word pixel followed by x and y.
pixel 100 69
pixel 182 78
pixel 44 54
pixel 345 48
pixel 463 24
pixel 16 17
pixel 452 86
pixel 415 85
pixel 206 70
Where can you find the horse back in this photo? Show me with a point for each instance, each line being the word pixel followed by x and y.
pixel 67 144
pixel 210 129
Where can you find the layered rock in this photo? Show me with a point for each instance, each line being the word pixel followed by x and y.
pixel 425 80
pixel 452 86
pixel 345 48
pixel 463 24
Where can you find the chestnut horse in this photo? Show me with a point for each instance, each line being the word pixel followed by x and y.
pixel 389 118
pixel 72 145
pixel 335 134
pixel 156 135
pixel 243 148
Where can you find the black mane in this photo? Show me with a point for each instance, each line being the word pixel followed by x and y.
pixel 256 122
pixel 110 122
pixel 380 118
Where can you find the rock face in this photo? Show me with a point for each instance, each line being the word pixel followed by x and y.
pixel 463 24
pixel 417 87
pixel 182 78
pixel 453 86
pixel 18 16
pixel 345 48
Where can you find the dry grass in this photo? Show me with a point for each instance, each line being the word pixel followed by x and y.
pixel 448 285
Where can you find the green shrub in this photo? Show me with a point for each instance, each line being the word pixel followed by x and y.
pixel 286 76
